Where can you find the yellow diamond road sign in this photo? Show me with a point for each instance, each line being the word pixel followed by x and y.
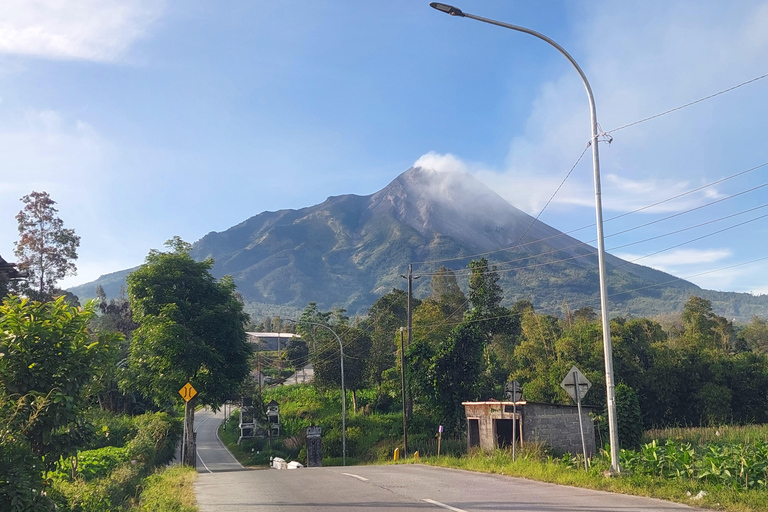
pixel 187 392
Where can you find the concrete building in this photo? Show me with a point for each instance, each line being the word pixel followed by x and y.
pixel 271 340
pixel 490 425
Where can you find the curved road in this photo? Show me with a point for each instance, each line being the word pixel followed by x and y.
pixel 225 485
pixel 212 455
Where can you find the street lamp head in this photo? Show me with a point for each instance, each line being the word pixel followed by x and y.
pixel 448 9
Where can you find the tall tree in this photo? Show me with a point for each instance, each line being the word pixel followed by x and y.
pixel 191 329
pixel 485 294
pixel 45 250
pixel 446 292
pixel 116 317
pixel 385 317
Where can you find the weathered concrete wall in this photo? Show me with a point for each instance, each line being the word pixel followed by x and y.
pixel 558 427
pixel 485 413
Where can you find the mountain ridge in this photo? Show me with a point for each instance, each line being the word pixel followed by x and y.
pixel 350 249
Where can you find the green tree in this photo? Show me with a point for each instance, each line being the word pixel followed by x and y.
pixel 485 294
pixel 191 329
pixel 45 250
pixel 116 316
pixel 326 360
pixel 704 329
pixel 48 359
pixel 446 293
pixel 458 364
pixel 755 334
pixel 385 317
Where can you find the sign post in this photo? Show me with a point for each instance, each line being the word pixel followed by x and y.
pixel 187 392
pixel 577 385
pixel 514 393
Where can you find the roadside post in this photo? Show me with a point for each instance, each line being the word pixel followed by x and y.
pixel 188 458
pixel 314 447
pixel 439 438
pixel 514 393
pixel 577 385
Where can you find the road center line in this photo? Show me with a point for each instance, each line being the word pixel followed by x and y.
pixel 361 478
pixel 438 504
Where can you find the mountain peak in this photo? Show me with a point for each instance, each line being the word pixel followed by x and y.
pixel 455 204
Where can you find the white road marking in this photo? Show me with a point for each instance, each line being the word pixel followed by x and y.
pixel 227 449
pixel 437 503
pixel 201 460
pixel 361 478
pixel 216 431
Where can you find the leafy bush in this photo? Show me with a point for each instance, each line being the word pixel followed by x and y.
pixel 21 481
pixel 629 418
pixel 97 463
pixel 109 477
pixel 741 466
pixel 110 429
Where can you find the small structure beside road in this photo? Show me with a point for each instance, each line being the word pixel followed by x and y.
pixel 490 425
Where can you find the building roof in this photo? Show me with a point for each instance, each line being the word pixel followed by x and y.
pixel 272 334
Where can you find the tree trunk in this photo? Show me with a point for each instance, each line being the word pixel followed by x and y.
pixel 188 450
pixel 354 401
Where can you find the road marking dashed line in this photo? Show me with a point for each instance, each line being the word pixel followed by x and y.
pixel 438 504
pixel 361 478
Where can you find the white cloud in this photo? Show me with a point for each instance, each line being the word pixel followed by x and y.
pixel 97 30
pixel 679 259
pixel 648 58
pixel 46 151
pixel 441 163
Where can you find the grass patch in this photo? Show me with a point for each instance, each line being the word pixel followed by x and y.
pixel 169 490
pixel 563 472
pixel 700 436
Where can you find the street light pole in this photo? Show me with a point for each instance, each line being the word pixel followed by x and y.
pixel 607 348
pixel 343 389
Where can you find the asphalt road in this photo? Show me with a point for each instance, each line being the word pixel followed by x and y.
pixel 402 488
pixel 224 485
pixel 212 456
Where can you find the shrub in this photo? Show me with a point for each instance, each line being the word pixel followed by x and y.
pixel 21 481
pixel 629 418
pixel 97 463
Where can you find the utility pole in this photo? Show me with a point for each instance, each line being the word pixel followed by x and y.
pixel 410 277
pixel 402 382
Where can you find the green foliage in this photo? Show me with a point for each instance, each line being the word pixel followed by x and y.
pixel 47 359
pixel 485 294
pixel 324 336
pixel 755 334
pixel 191 329
pixel 447 294
pixel 629 418
pixel 109 478
pixel 169 490
pixel 739 466
pixel 457 366
pixel 385 317
pixel 97 463
pixel 21 480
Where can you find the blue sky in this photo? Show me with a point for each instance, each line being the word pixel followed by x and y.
pixel 149 119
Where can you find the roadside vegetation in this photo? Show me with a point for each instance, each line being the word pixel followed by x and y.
pixel 689 368
pixel 90 413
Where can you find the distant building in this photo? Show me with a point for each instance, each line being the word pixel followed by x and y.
pixel 8 272
pixel 490 425
pixel 271 340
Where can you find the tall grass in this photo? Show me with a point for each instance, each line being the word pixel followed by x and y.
pixel 700 436
pixel 170 490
